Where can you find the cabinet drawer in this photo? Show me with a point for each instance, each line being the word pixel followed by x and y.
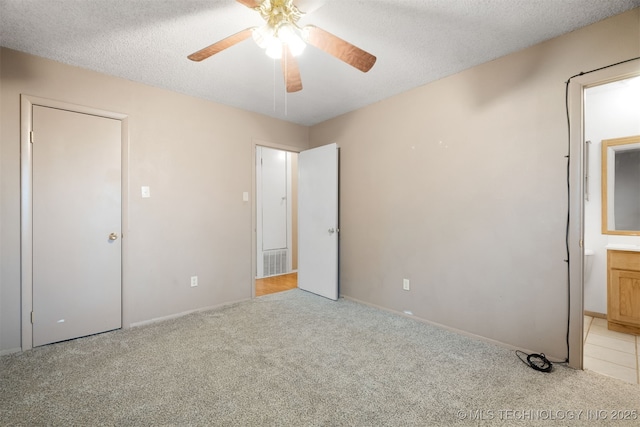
pixel 623 260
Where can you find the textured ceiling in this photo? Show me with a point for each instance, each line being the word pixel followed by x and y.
pixel 416 42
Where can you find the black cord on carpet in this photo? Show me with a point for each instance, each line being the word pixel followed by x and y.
pixel 539 362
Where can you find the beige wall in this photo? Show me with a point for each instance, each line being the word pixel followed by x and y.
pixel 460 186
pixel 196 157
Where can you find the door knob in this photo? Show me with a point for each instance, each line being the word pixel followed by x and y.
pixel 113 236
pixel 331 231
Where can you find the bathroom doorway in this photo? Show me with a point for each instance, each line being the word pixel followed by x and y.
pixel 611 110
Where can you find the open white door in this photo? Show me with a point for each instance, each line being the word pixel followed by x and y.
pixel 318 221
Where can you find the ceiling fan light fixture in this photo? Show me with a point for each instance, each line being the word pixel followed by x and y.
pixel 274 48
pixel 280 28
pixel 263 35
pixel 272 39
pixel 288 34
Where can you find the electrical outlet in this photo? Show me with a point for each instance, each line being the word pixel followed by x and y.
pixel 194 281
pixel 405 284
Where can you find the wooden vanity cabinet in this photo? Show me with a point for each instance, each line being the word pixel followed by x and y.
pixel 623 291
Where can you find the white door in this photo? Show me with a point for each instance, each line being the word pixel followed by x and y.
pixel 318 221
pixel 76 225
pixel 274 199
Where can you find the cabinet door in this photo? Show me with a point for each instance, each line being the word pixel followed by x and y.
pixel 624 296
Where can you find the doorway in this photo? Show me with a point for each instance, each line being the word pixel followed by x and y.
pixel 318 220
pixel 611 110
pixel 276 220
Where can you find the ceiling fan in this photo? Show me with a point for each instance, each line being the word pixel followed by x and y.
pixel 282 38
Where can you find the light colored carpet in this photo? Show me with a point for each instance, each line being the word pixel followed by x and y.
pixel 296 359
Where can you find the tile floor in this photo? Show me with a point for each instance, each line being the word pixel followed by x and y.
pixel 611 353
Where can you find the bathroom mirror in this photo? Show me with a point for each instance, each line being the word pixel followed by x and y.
pixel 621 186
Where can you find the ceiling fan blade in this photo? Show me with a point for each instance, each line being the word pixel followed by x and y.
pixel 339 48
pixel 221 45
pixel 250 3
pixel 290 70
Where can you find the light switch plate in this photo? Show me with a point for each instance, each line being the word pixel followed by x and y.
pixel 146 192
pixel 245 196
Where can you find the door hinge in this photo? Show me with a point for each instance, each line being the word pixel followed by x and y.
pixel 32 317
pixel 581 243
pixel 31 137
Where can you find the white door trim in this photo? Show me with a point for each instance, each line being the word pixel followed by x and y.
pixel 26 194
pixel 576 212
